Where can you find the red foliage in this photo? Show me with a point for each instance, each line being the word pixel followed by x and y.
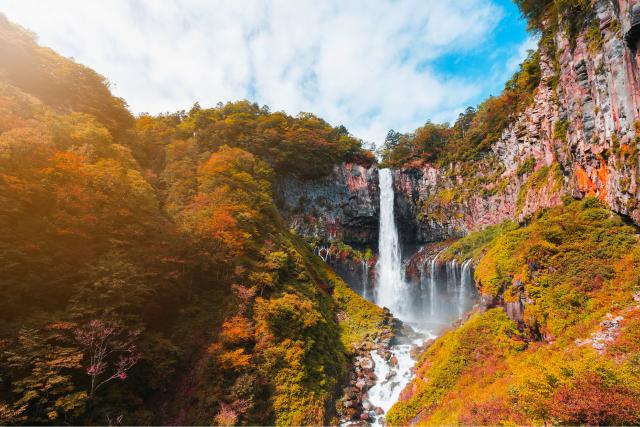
pixel 493 412
pixel 589 400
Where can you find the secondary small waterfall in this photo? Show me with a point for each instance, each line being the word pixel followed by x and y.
pixel 391 289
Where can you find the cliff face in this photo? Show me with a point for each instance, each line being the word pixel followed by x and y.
pixel 578 138
pixel 343 206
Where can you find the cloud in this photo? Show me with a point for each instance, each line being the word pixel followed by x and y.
pixel 360 63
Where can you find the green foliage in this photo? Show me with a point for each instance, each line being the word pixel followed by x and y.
pixel 304 145
pixel 527 166
pixel 474 245
pixel 42 379
pixel 538 180
pixel 560 130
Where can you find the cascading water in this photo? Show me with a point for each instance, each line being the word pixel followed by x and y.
pixel 447 301
pixel 393 293
pixel 365 277
pixel 392 289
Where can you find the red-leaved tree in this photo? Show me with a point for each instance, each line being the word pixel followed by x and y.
pixel 107 344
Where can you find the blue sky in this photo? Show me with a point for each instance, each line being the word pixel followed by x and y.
pixel 370 65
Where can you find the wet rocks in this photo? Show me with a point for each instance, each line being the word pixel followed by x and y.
pixel 354 408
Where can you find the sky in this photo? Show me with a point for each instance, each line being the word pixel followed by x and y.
pixel 369 65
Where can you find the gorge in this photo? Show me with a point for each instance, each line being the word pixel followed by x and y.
pixel 238 266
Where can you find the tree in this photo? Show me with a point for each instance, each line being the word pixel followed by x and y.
pixel 41 377
pixel 101 342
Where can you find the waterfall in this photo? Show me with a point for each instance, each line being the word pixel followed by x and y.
pixel 433 286
pixel 446 301
pixel 464 283
pixel 365 277
pixel 392 290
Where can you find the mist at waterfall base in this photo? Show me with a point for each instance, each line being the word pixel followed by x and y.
pixel 440 294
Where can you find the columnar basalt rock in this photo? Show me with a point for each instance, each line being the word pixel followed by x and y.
pixel 580 133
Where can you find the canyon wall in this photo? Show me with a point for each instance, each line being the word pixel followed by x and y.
pixel 342 206
pixel 578 138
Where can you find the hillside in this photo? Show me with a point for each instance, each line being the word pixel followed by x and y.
pixel 147 277
pixel 182 268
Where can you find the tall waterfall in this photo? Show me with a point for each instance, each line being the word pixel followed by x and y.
pixel 392 289
pixel 447 297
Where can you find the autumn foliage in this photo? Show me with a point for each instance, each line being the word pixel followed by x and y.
pixel 143 263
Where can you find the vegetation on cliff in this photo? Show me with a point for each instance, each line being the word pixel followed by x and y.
pixel 571 357
pixel 143 259
pixel 473 132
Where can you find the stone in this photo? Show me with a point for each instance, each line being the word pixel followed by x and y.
pixel 378 411
pixel 393 362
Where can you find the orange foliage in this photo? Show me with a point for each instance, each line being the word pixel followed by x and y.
pixel 234 359
pixel 494 412
pixel 236 330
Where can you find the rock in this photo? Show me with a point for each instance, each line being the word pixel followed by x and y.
pixel 364 416
pixel 361 384
pixel 353 414
pixel 367 363
pixel 393 362
pixel 348 403
pixel 378 411
pixel 366 405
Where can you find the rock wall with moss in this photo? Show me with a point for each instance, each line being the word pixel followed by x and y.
pixel 577 134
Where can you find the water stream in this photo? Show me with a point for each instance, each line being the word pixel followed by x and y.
pixel 442 296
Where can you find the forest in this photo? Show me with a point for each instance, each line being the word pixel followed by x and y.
pixel 142 258
pixel 191 267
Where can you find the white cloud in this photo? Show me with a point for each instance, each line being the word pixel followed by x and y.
pixel 360 63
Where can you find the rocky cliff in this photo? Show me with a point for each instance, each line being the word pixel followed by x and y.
pixel 342 206
pixel 578 137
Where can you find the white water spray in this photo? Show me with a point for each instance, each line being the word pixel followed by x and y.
pixel 392 289
pixel 395 371
pixel 433 286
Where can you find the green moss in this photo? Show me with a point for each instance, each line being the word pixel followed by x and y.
pixel 560 130
pixel 476 244
pixel 537 181
pixel 527 166
pixel 594 38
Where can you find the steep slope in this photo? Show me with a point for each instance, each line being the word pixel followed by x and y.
pixel 146 276
pixel 569 355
